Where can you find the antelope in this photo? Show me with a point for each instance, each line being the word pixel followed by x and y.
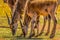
pixel 35 10
pixel 49 20
pixel 44 9
pixel 17 10
pixel 13 22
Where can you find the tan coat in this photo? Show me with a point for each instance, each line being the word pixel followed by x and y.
pixel 43 1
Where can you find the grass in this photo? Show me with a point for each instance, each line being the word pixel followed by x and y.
pixel 5 33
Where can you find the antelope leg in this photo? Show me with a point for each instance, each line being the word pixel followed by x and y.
pixel 49 21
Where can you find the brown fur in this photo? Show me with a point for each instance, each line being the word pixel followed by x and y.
pixel 40 8
pixel 45 9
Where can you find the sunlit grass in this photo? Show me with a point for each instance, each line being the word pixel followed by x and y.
pixel 7 35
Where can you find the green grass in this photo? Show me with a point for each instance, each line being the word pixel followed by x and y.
pixel 5 33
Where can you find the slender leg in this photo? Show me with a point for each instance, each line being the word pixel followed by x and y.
pixel 43 25
pixel 19 19
pixel 14 23
pixel 33 21
pixel 32 33
pixel 37 25
pixel 23 32
pixel 27 21
pixel 54 28
pixel 49 21
pixel 25 26
pixel 55 23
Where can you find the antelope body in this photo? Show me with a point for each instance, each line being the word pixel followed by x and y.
pixel 45 9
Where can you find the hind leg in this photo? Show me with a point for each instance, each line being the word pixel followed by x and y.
pixel 43 25
pixel 26 23
pixel 49 21
pixel 37 25
pixel 32 33
pixel 33 21
pixel 55 23
pixel 54 28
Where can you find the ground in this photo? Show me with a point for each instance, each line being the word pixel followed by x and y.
pixel 5 33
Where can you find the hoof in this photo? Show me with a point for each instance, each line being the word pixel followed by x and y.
pixel 36 35
pixel 40 34
pixel 31 35
pixel 52 36
pixel 46 34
